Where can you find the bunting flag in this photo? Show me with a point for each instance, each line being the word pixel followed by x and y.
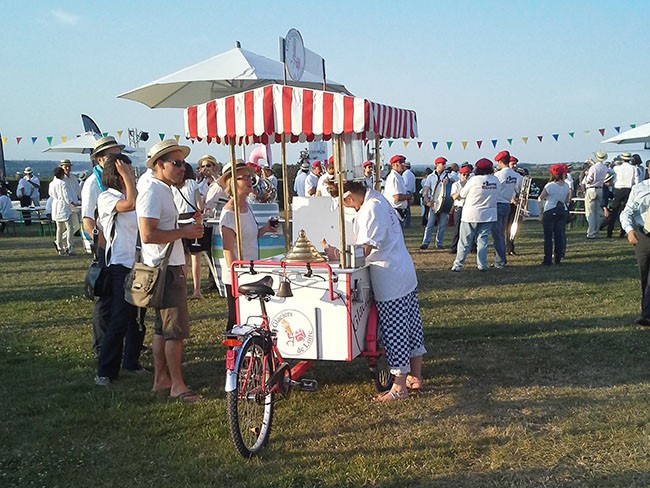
pixel 162 136
pixel 572 134
pixel 390 143
pixel 18 139
pixel 540 138
pixel 478 143
pixel 556 137
pixel 509 142
pixel 104 134
pixel 4 140
pixel 434 144
pixel 119 134
pixel 419 144
pixel 525 139
pixel 494 143
pixel 633 126
pixel 449 143
pixel 34 139
pixel 406 143
pixel 617 129
pixel 64 138
pixel 464 144
pixel 602 132
pixel 587 131
pixel 177 137
pixel 49 140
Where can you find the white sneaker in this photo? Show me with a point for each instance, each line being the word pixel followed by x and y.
pixel 102 381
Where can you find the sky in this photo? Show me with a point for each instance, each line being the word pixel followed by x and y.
pixel 473 71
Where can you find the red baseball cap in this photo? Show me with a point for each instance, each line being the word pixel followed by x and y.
pixel 483 164
pixel 513 159
pixel 315 163
pixel 440 160
pixel 397 158
pixel 502 155
pixel 330 160
pixel 367 163
pixel 465 170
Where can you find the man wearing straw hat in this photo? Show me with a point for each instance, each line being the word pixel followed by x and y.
pixel 74 189
pixel 93 186
pixel 28 192
pixel 594 193
pixel 158 226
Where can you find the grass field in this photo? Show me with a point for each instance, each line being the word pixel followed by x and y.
pixel 535 376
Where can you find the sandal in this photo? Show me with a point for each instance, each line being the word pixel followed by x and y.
pixel 187 397
pixel 391 396
pixel 413 383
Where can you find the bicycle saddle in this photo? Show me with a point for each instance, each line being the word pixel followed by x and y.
pixel 261 288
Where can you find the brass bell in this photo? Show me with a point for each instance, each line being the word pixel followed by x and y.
pixel 303 251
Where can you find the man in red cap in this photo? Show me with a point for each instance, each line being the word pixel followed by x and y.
pixel 369 175
pixel 510 243
pixel 311 182
pixel 510 185
pixel 395 190
pixel 436 191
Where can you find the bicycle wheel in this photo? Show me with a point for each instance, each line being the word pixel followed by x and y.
pixel 250 411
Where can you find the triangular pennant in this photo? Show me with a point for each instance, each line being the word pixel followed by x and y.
pixel 618 129
pixel 556 137
pixel 34 139
pixel 478 143
pixel 572 134
pixel 49 140
pixel 390 143
pixel 587 131
pixel 540 138
pixel 633 126
pixel 602 132
pixel 449 143
pixel 434 144
pixel 509 142
pixel 18 139
pixel 525 139
pixel 419 144
pixel 64 138
pixel 104 134
pixel 4 140
pixel 177 137
pixel 494 142
pixel 464 144
pixel 406 143
pixel 119 134
pixel 162 136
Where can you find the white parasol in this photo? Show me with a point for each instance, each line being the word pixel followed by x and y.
pixel 82 144
pixel 638 134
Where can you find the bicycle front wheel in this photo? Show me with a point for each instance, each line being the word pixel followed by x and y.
pixel 250 406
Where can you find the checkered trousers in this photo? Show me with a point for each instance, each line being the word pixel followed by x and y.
pixel 401 330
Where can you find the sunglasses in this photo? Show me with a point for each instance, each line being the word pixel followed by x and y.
pixel 210 165
pixel 179 163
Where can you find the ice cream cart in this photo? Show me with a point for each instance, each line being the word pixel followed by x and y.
pixel 322 310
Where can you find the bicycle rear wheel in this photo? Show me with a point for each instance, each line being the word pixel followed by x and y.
pixel 250 410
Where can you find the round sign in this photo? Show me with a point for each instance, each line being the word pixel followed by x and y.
pixel 294 332
pixel 294 54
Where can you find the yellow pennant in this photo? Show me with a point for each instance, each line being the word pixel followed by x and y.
pixel 4 140
pixel 119 133
pixel 64 138
pixel 464 144
pixel 177 137
pixel 525 139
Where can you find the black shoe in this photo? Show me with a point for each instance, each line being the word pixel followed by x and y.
pixel 424 247
pixel 642 321
pixel 545 263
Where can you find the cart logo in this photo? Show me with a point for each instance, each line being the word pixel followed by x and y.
pixel 295 332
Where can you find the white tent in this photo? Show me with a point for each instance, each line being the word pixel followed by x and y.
pixel 636 135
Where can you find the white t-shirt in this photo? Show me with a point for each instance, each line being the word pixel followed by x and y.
pixel 299 183
pixel 144 180
pixel 89 193
pixel 188 191
pixel 395 186
pixel 555 193
pixel 510 184
pixel 60 200
pixel 480 193
pixel 409 181
pixel 311 183
pixel 74 189
pixel 7 208
pixel 322 185
pixel 456 187
pixel 157 202
pixel 249 231
pixel 392 272
pixel 126 228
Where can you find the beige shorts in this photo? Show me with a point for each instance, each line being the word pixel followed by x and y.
pixel 173 321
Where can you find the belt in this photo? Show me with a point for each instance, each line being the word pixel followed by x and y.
pixel 594 187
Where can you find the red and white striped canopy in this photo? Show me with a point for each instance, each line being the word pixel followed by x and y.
pixel 262 115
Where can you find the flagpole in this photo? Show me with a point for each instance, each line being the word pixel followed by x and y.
pixel 233 189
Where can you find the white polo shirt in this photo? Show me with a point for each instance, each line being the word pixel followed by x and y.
pixel 510 184
pixel 122 245
pixel 311 183
pixel 157 202
pixel 395 186
pixel 480 193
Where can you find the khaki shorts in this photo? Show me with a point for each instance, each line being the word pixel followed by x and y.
pixel 173 321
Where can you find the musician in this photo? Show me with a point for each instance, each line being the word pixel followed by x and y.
pixel 510 243
pixel 464 173
pixel 395 190
pixel 311 182
pixel 437 195
pixel 369 175
pixel 553 213
pixel 510 186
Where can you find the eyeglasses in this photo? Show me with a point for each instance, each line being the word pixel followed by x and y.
pixel 179 163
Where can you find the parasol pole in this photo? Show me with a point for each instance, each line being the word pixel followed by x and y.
pixel 285 187
pixel 233 189
pixel 340 180
pixel 377 165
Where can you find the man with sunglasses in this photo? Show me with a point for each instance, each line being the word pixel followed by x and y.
pixel 158 225
pixel 395 190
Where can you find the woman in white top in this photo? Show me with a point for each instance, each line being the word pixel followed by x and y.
pixel 479 213
pixel 378 229
pixel 249 230
pixel 189 201
pixel 116 214
pixel 62 213
pixel 553 212
pixel 457 210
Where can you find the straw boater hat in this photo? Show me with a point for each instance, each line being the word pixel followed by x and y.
pixel 28 170
pixel 164 147
pixel 626 156
pixel 65 162
pixel 103 144
pixel 240 167
pixel 601 155
pixel 207 158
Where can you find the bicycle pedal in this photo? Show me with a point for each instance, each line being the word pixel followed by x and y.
pixel 308 385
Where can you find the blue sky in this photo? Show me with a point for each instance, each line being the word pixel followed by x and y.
pixel 471 70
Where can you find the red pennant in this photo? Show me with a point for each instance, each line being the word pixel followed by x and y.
pixel 602 132
pixel 478 143
pixel 18 139
pixel 540 138
pixel 419 144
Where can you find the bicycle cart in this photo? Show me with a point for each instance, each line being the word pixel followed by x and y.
pixel 329 314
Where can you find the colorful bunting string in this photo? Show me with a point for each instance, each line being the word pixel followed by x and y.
pixel 464 144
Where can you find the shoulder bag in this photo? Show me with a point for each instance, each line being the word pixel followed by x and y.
pixel 144 286
pixel 98 279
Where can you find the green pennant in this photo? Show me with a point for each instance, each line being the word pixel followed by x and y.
pixel 162 136
pixel 509 141
pixel 390 143
pixel 104 134
pixel 49 140
pixel 572 134
pixel 449 143
pixel 633 126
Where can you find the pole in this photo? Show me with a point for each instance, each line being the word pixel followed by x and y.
pixel 377 165
pixel 233 189
pixel 340 180
pixel 285 187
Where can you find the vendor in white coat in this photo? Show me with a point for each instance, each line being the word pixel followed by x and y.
pixel 378 229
